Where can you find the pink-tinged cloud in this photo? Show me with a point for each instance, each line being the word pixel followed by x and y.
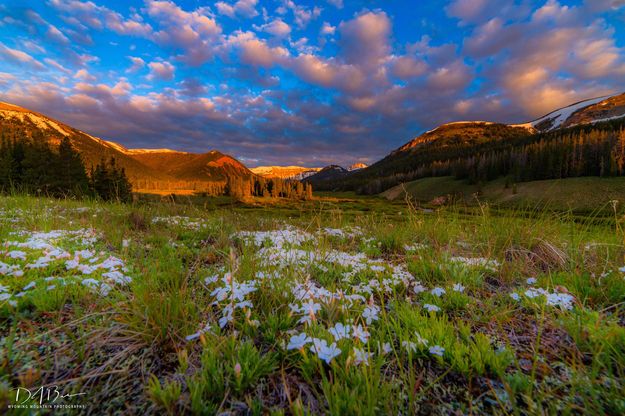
pixel 196 34
pixel 161 71
pixel 365 40
pixel 408 67
pixel 244 8
pixel 19 57
pixel 277 28
pixel 137 64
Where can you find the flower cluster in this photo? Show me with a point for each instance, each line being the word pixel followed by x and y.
pixel 44 261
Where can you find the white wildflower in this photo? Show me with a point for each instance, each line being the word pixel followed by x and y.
pixel 437 350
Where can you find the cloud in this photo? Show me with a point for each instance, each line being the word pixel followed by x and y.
pixel 137 64
pixel 365 40
pixel 407 67
pixel 245 8
pixel 161 71
pixel 84 75
pixel 254 51
pixel 479 11
pixel 604 5
pixel 90 14
pixel 19 57
pixel 277 87
pixel 195 33
pixel 327 29
pixel 336 3
pixel 276 28
pixel 302 15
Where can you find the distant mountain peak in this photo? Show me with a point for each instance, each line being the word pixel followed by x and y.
pixel 285 172
pixel 144 151
pixel 356 166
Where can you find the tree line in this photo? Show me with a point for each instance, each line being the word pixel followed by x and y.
pixel 241 187
pixel 32 165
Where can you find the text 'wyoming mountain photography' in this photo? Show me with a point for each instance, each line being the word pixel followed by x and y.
pixel 299 207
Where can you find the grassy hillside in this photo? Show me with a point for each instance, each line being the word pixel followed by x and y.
pixel 167 308
pixel 578 194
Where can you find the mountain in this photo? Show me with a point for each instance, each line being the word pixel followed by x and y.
pixel 439 147
pixel 285 172
pixel 591 111
pixel 212 166
pixel 327 175
pixel 356 166
pixel 146 168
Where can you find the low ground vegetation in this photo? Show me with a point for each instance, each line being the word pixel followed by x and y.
pixel 319 308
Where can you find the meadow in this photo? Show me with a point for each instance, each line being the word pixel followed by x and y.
pixel 341 305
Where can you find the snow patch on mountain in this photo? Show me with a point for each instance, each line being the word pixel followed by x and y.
pixel 285 172
pixel 557 118
pixel 42 123
pixel 147 151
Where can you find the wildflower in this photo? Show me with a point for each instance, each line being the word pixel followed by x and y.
pixel 515 296
pixel 358 332
pixel 534 293
pixel 371 314
pixel 431 308
pixel 298 341
pixel 386 348
pixel 438 291
pixel 17 254
pixel 340 331
pixel 29 286
pixel 418 288
pixel 458 288
pixel 198 333
pixel 563 300
pixel 361 356
pixel 212 279
pixel 437 350
pixel 324 351
pixel 237 370
pixel 531 280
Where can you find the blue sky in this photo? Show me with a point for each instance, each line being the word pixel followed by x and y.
pixel 303 82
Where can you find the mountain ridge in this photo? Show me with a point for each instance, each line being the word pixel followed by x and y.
pixel 144 167
pixel 447 141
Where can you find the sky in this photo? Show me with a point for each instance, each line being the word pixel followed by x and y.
pixel 294 82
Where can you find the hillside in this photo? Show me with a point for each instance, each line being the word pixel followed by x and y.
pixel 558 194
pixel 584 112
pixel 454 148
pixel 211 166
pixel 20 123
pixel 329 174
pixel 146 168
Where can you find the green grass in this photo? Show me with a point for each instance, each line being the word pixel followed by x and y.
pixel 448 337
pixel 586 195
